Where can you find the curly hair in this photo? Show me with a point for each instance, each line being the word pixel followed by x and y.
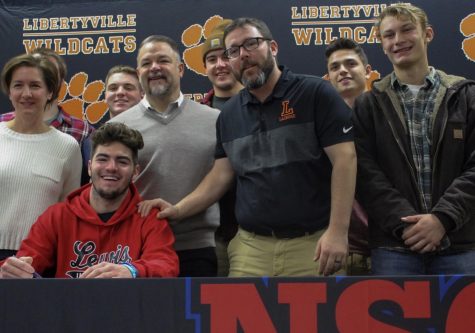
pixel 118 132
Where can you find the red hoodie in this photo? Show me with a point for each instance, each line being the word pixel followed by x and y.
pixel 71 237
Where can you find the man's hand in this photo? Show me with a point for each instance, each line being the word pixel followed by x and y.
pixel 331 251
pixel 423 233
pixel 17 268
pixel 167 210
pixel 106 270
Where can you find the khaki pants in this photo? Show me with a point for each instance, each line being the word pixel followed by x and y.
pixel 256 256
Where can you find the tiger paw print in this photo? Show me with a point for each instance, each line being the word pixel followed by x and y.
pixel 193 35
pixel 83 98
pixel 373 76
pixel 467 28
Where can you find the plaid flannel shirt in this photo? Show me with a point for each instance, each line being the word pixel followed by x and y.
pixel 77 128
pixel 418 115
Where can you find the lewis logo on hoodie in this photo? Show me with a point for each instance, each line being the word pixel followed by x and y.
pixel 86 257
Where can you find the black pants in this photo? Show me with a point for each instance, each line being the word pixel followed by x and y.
pixel 198 262
pixel 4 254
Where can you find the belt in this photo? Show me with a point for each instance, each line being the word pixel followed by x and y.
pixel 279 234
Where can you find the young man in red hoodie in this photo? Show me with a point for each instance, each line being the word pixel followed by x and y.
pixel 97 232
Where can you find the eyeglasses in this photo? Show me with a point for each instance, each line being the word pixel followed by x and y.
pixel 249 45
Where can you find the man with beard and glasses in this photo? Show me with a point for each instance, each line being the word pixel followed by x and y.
pixel 97 232
pixel 180 138
pixel 287 138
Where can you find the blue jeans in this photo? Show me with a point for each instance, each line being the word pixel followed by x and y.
pixel 392 262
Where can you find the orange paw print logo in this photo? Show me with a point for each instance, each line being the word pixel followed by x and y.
pixel 191 37
pixel 467 28
pixel 373 76
pixel 83 98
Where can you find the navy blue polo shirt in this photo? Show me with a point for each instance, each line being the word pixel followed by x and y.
pixel 276 150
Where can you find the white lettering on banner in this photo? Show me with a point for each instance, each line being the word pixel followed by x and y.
pixel 103 34
pixel 320 25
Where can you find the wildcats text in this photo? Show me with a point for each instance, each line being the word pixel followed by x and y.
pixel 76 35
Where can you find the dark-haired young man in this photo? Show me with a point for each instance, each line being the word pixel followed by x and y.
pixel 348 70
pixel 97 232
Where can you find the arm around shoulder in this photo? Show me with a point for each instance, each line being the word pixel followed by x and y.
pixel 211 189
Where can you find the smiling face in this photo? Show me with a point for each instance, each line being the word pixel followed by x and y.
pixel 404 41
pixel 253 68
pixel 159 70
pixel 219 71
pixel 112 169
pixel 122 92
pixel 28 91
pixel 347 72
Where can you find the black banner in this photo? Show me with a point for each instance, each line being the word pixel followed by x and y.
pixel 434 304
pixel 94 36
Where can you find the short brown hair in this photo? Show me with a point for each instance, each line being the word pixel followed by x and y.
pixel 415 14
pixel 44 65
pixel 346 44
pixel 241 22
pixel 122 69
pixel 162 39
pixel 118 132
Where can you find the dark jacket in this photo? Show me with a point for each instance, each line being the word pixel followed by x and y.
pixel 227 224
pixel 386 183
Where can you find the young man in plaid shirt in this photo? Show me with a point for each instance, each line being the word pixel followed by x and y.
pixel 415 140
